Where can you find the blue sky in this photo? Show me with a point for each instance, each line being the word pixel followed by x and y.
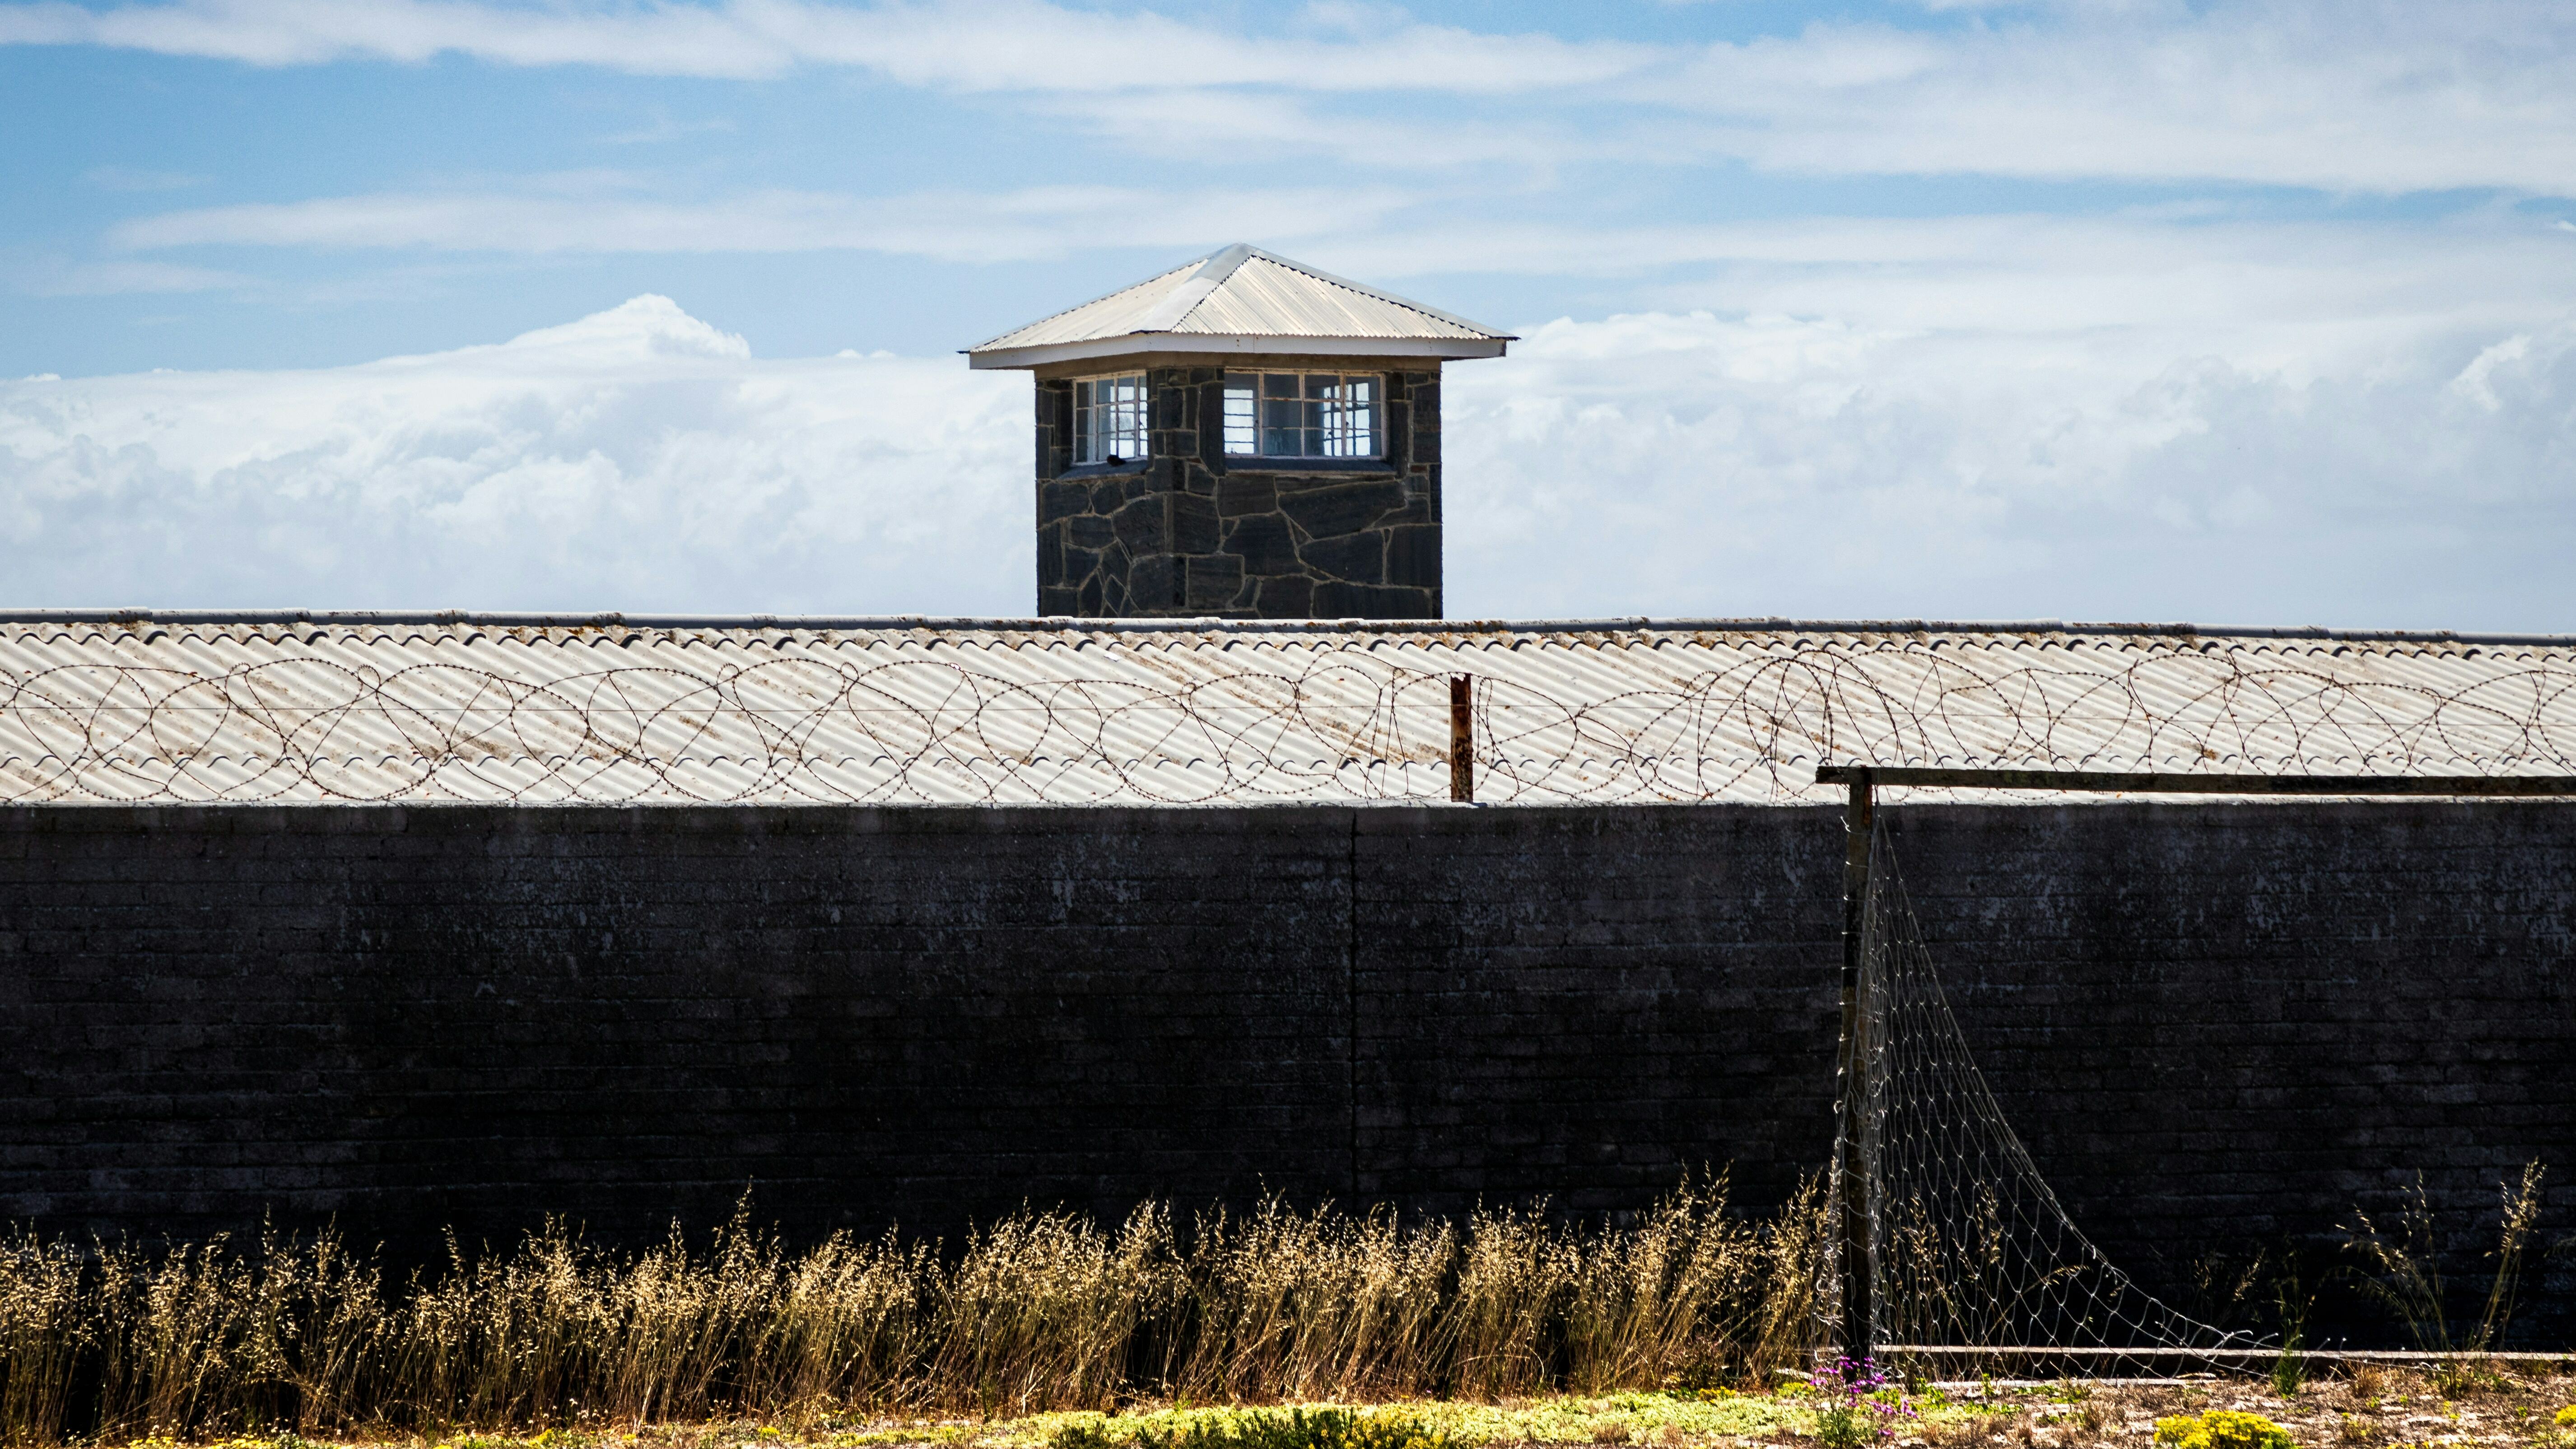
pixel 2255 312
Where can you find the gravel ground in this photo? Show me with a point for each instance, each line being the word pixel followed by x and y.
pixel 2374 1408
pixel 2368 1409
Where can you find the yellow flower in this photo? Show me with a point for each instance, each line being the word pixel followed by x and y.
pixel 2222 1429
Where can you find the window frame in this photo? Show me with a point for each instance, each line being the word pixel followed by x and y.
pixel 1319 420
pixel 1093 444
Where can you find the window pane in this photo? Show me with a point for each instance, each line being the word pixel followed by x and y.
pixel 1239 436
pixel 1350 418
pixel 1109 418
pixel 1301 415
pixel 1127 438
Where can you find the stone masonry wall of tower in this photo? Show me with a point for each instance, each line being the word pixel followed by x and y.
pixel 1190 531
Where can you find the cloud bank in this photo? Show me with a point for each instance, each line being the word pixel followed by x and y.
pixel 1691 464
pixel 1670 463
pixel 2343 95
pixel 635 459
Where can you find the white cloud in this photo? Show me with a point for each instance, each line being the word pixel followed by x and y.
pixel 1038 222
pixel 987 45
pixel 1698 465
pixel 2135 290
pixel 637 459
pixel 2313 93
pixel 1671 463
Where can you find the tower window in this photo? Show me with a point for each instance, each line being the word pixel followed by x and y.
pixel 1302 415
pixel 1109 418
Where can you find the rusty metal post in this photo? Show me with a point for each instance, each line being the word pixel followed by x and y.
pixel 1462 739
pixel 1851 1165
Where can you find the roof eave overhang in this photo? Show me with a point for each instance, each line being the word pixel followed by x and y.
pixel 1138 344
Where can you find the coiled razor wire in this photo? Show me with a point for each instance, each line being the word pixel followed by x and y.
pixel 1651 718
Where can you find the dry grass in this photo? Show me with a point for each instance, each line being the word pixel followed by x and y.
pixel 2402 1269
pixel 1043 1311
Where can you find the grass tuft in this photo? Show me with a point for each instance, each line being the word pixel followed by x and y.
pixel 1041 1312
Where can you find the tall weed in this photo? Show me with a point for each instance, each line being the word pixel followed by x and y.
pixel 1042 1310
pixel 2402 1269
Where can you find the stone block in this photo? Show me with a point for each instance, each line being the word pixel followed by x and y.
pixel 1089 530
pixel 1240 493
pixel 1371 601
pixel 1062 500
pixel 1287 597
pixel 1144 526
pixel 1108 495
pixel 1213 581
pixel 1193 523
pixel 1262 541
pixel 1358 558
pixel 1050 558
pixel 1155 584
pixel 1415 513
pixel 1413 556
pixel 1333 509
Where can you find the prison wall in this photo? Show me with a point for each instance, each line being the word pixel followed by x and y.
pixel 2215 1025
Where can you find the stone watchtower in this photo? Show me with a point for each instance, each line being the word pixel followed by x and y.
pixel 1241 436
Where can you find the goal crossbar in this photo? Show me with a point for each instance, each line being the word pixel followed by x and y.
pixel 2119 782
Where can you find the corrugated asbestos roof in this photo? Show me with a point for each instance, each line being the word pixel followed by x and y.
pixel 1240 295
pixel 327 708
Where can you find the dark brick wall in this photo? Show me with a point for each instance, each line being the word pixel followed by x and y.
pixel 2213 1024
pixel 1189 531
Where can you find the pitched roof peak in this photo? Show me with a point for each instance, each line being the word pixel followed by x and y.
pixel 1241 299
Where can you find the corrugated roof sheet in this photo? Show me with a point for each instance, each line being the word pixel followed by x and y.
pixel 327 708
pixel 1244 292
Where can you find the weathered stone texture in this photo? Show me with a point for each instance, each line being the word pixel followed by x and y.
pixel 1199 533
pixel 2213 1025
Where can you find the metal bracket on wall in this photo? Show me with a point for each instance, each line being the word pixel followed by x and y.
pixel 1462 739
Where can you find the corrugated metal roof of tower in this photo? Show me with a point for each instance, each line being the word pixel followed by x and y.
pixel 1239 298
pixel 320 708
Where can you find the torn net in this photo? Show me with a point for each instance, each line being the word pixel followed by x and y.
pixel 1973 1267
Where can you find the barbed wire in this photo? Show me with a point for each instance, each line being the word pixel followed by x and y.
pixel 1652 720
